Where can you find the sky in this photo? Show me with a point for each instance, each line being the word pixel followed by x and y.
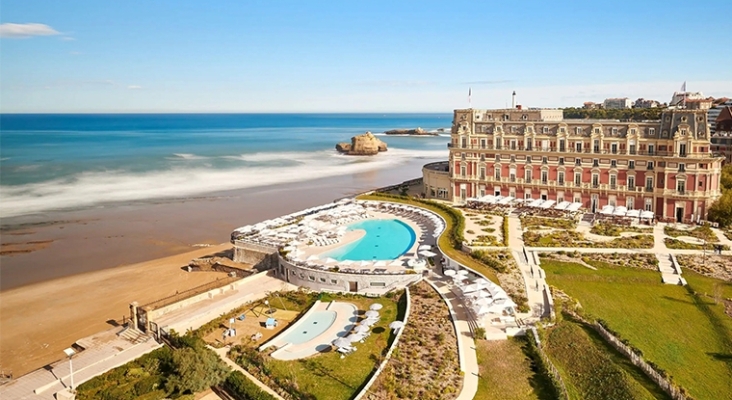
pixel 343 56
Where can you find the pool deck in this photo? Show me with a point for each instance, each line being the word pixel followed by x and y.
pixel 346 315
pixel 352 236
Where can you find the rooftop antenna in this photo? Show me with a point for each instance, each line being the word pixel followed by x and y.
pixel 513 99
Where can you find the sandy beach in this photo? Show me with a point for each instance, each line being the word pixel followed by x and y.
pixel 64 275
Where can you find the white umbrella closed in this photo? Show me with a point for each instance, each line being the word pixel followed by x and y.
pixel 481 281
pixel 463 272
pixel 355 337
pixel 376 307
pixel 396 325
pixel 427 253
pixel 369 322
pixel 312 258
pixel 342 342
pixel 449 272
pixel 362 329
pixel 330 260
pixel 346 262
pixel 424 247
pixel 371 314
pixel 365 263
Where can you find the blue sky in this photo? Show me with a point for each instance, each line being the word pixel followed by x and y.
pixel 310 56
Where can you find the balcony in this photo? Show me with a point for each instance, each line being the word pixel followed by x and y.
pixel 449 145
pixel 649 189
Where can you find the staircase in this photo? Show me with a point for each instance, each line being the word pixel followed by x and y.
pixel 670 272
pixel 134 336
pixel 587 219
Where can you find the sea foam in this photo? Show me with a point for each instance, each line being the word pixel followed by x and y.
pixel 92 188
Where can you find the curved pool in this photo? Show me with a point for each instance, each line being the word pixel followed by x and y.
pixel 385 239
pixel 315 324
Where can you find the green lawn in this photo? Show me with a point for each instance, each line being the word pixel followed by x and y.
pixel 594 371
pixel 687 335
pixel 327 375
pixel 508 372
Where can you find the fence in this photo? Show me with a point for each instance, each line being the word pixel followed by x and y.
pixel 376 373
pixel 556 377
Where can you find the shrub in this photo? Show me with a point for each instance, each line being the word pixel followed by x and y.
pixel 244 389
pixel 505 231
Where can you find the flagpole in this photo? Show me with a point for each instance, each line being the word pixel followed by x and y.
pixel 470 98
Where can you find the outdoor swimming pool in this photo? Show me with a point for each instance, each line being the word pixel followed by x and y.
pixel 315 324
pixel 385 239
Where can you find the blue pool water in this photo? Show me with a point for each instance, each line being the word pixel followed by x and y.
pixel 385 239
pixel 315 324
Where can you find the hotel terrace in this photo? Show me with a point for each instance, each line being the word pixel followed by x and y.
pixel 663 166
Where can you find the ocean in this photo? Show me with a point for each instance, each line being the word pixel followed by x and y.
pixel 70 161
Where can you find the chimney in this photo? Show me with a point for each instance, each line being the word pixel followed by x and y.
pixel 513 99
pixel 518 106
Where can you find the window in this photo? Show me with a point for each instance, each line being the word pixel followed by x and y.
pixel 614 131
pixel 595 162
pixel 528 159
pixel 544 177
pixel 613 163
pixel 680 186
pixel 631 183
pixel 561 160
pixel 378 284
pixel 578 162
pixel 578 179
pixel 596 146
pixel 651 149
pixel 682 167
pixel 560 178
pixel 513 158
pixel 614 148
pixel 513 145
pixel 498 158
pixel 631 164
pixel 631 149
pixel 442 193
pixel 482 157
pixel 630 203
pixel 578 130
pixel 632 131
pixel 334 281
pixel 312 278
pixel 544 160
pixel 561 145
pixel 650 165
pixel 578 146
pixel 649 205
pixel 482 143
pixel 322 280
pixel 463 143
pixel 462 171
pixel 498 174
pixel 545 129
pixel 595 180
pixel 482 173
pixel 613 181
pixel 651 131
pixel 514 129
pixel 529 144
pixel 528 176
pixel 577 198
pixel 649 184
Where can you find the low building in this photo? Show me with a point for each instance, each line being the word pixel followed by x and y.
pixel 620 102
pixel 722 137
pixel 665 166
pixel 436 180
pixel 646 103
pixel 678 98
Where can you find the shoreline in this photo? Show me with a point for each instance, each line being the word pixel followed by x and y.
pixel 82 241
pixel 99 261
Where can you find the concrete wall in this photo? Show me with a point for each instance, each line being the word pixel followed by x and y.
pixel 322 280
pixel 259 256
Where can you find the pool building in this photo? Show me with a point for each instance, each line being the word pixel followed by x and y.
pixel 364 247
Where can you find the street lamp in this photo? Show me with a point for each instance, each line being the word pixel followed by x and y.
pixel 69 353
pixel 269 308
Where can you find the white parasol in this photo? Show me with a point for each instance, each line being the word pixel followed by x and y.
pixel 376 307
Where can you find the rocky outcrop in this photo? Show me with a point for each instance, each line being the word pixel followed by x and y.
pixel 362 145
pixel 415 132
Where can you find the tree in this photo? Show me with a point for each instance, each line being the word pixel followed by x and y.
pixel 726 179
pixel 196 370
pixel 721 210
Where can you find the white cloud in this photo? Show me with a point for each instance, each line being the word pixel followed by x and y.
pixel 20 31
pixel 134 87
pixel 67 38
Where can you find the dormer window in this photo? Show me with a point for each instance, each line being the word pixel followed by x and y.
pixel 545 129
pixel 614 131
pixel 524 117
pixel 652 131
pixel 578 130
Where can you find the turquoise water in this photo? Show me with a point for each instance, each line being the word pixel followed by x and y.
pixel 385 239
pixel 55 161
pixel 315 324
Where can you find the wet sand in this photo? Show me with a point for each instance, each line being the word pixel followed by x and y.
pixel 86 266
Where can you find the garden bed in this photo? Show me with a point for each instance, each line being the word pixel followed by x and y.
pixel 425 363
pixel 682 245
pixel 700 232
pixel 633 260
pixel 714 266
pixel 610 229
pixel 564 238
pixel 542 222
pixel 327 375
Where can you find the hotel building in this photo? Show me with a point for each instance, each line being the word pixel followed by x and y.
pixel 665 166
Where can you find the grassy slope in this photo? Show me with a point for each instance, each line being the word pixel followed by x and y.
pixel 506 372
pixel 443 241
pixel 688 336
pixel 327 376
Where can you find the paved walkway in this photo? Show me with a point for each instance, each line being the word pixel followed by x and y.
pixel 534 277
pixel 466 343
pixel 103 352
pixel 222 354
